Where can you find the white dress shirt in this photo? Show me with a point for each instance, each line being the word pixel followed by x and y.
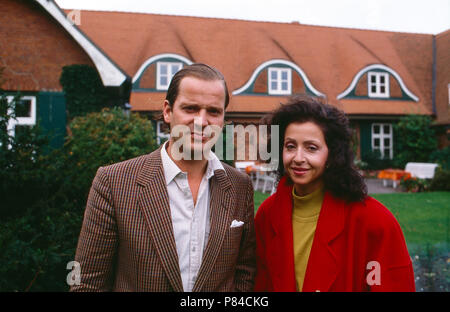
pixel 190 223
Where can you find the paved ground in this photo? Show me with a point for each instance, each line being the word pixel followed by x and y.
pixel 375 186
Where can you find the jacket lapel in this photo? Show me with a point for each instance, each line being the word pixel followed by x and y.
pixel 221 203
pixel 323 264
pixel 280 249
pixel 154 201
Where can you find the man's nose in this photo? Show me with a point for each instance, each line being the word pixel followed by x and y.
pixel 201 119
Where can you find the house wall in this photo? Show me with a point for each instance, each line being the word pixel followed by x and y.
pixel 442 88
pixel 34 48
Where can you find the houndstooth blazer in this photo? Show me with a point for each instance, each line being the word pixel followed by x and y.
pixel 127 242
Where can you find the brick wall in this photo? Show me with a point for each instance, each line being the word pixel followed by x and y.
pixel 34 47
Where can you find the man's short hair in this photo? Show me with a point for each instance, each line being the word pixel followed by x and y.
pixel 197 70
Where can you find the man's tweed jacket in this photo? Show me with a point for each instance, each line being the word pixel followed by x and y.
pixel 127 241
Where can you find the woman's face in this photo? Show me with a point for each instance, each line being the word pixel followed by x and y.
pixel 305 154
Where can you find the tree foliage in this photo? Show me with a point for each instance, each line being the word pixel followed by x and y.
pixel 44 192
pixel 415 140
pixel 84 90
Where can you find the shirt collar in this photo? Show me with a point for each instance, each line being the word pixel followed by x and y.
pixel 171 170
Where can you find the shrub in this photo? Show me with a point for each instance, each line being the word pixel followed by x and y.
pixel 442 157
pixel 84 90
pixel 441 180
pixel 100 139
pixel 373 161
pixel 415 140
pixel 39 241
pixel 415 185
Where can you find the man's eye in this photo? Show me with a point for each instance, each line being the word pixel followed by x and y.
pixel 214 112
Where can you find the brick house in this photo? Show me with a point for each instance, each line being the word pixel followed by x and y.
pixel 374 76
pixel 36 41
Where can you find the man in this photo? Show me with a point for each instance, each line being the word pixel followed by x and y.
pixel 161 222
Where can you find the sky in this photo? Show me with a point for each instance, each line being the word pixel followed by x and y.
pixel 416 16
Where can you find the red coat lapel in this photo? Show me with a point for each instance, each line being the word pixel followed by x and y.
pixel 280 249
pixel 323 263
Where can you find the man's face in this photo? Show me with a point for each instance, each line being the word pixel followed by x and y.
pixel 199 107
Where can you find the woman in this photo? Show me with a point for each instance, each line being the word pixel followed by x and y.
pixel 320 231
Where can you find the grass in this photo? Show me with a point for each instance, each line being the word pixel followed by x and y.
pixel 423 217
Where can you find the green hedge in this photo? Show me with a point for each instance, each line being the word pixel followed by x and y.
pixel 44 194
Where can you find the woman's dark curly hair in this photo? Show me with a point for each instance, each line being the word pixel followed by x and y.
pixel 340 177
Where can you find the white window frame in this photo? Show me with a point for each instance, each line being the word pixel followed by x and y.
pixel 378 84
pixel 159 133
pixel 381 136
pixel 21 121
pixel 169 74
pixel 278 90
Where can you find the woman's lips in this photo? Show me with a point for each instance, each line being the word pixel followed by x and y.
pixel 299 171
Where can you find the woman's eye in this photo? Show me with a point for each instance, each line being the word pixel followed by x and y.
pixel 290 146
pixel 312 148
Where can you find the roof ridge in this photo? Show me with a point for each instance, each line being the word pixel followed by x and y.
pixel 293 23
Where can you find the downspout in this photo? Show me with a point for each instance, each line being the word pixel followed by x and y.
pixel 433 90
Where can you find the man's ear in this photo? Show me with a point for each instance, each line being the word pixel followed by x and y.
pixel 167 111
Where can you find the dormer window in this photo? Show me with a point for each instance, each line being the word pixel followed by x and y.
pixel 279 80
pixel 165 72
pixel 378 84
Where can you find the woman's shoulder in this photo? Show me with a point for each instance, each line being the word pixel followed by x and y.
pixel 374 214
pixel 266 207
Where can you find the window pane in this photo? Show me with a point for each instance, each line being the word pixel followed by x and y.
pixel 373 79
pixel 175 68
pixel 381 79
pixel 163 69
pixel 376 142
pixel 274 75
pixel 387 153
pixel 382 89
pixel 376 129
pixel 376 151
pixel 284 86
pixel 374 89
pixel 386 129
pixel 274 85
pixel 284 75
pixel 23 108
pixel 387 142
pixel 163 80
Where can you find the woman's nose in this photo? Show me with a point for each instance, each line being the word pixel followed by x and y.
pixel 299 156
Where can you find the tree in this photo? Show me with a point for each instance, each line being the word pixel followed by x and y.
pixel 415 140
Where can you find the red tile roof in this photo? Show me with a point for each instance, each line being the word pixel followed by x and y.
pixel 330 57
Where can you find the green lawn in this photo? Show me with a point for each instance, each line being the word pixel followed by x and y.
pixel 423 217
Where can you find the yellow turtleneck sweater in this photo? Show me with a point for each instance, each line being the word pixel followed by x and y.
pixel 305 214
